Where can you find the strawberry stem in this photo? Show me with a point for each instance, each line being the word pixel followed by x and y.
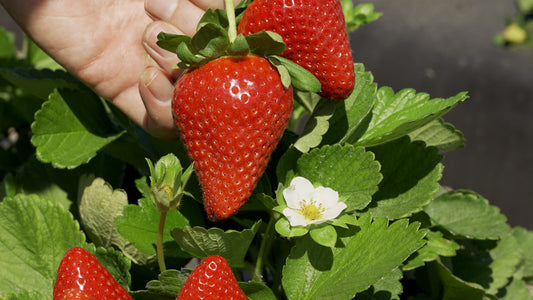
pixel 232 29
pixel 265 243
pixel 159 246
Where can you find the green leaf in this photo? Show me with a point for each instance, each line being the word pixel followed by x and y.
pixel 210 40
pixel 34 235
pixel 98 206
pixel 255 290
pixel 8 186
pixel 139 224
pixel 491 266
pixel 218 17
pixel 61 185
pixel 170 42
pixel 387 288
pixel 70 128
pixel 301 78
pixel 37 57
pixel 7 44
pixel 24 295
pixel 352 115
pixel 44 181
pixel 188 57
pixel 349 170
pixel 358 16
pixel 456 288
pixel 39 82
pixel 438 134
pixel 324 235
pixel 467 214
pixel 397 114
pixel 516 290
pixel 283 72
pixel 525 243
pixel 361 259
pixel 167 286
pixel 284 228
pixel 316 126
pixel 201 242
pixel 411 175
pixel 435 246
pixel 265 43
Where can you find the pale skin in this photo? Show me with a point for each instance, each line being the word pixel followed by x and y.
pixel 111 46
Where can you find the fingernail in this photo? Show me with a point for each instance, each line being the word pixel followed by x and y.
pixel 148 76
pixel 158 85
pixel 150 41
pixel 160 9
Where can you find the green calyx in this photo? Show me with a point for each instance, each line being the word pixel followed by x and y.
pixel 167 182
pixel 212 40
pixel 216 37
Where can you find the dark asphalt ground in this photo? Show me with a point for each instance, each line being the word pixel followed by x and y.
pixel 443 48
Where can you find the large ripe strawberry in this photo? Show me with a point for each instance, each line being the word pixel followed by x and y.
pixel 212 279
pixel 81 276
pixel 315 34
pixel 230 113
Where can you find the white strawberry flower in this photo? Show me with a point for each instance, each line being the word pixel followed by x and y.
pixel 308 205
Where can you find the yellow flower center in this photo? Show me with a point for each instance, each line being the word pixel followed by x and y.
pixel 310 211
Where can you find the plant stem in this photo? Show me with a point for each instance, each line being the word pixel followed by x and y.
pixel 160 254
pixel 232 30
pixel 263 248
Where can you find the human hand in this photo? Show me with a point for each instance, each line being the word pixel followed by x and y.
pixel 111 47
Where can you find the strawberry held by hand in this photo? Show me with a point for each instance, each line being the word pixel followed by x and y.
pixel 211 279
pixel 315 34
pixel 231 113
pixel 81 276
pixel 231 107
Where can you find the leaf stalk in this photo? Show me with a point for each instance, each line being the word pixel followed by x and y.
pixel 232 28
pixel 265 244
pixel 159 246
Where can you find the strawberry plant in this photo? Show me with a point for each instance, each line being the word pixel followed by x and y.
pixel 277 188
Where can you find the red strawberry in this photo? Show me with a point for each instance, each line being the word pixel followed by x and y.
pixel 81 276
pixel 212 279
pixel 75 294
pixel 315 34
pixel 230 114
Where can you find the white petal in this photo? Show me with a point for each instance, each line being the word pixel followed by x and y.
pixel 317 221
pixel 304 187
pixel 326 196
pixel 299 189
pixel 295 219
pixel 291 197
pixel 333 212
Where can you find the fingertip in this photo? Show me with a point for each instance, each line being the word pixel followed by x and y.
pixel 156 90
pixel 165 59
pixel 160 9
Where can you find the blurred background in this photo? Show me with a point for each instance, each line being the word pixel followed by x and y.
pixel 443 48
